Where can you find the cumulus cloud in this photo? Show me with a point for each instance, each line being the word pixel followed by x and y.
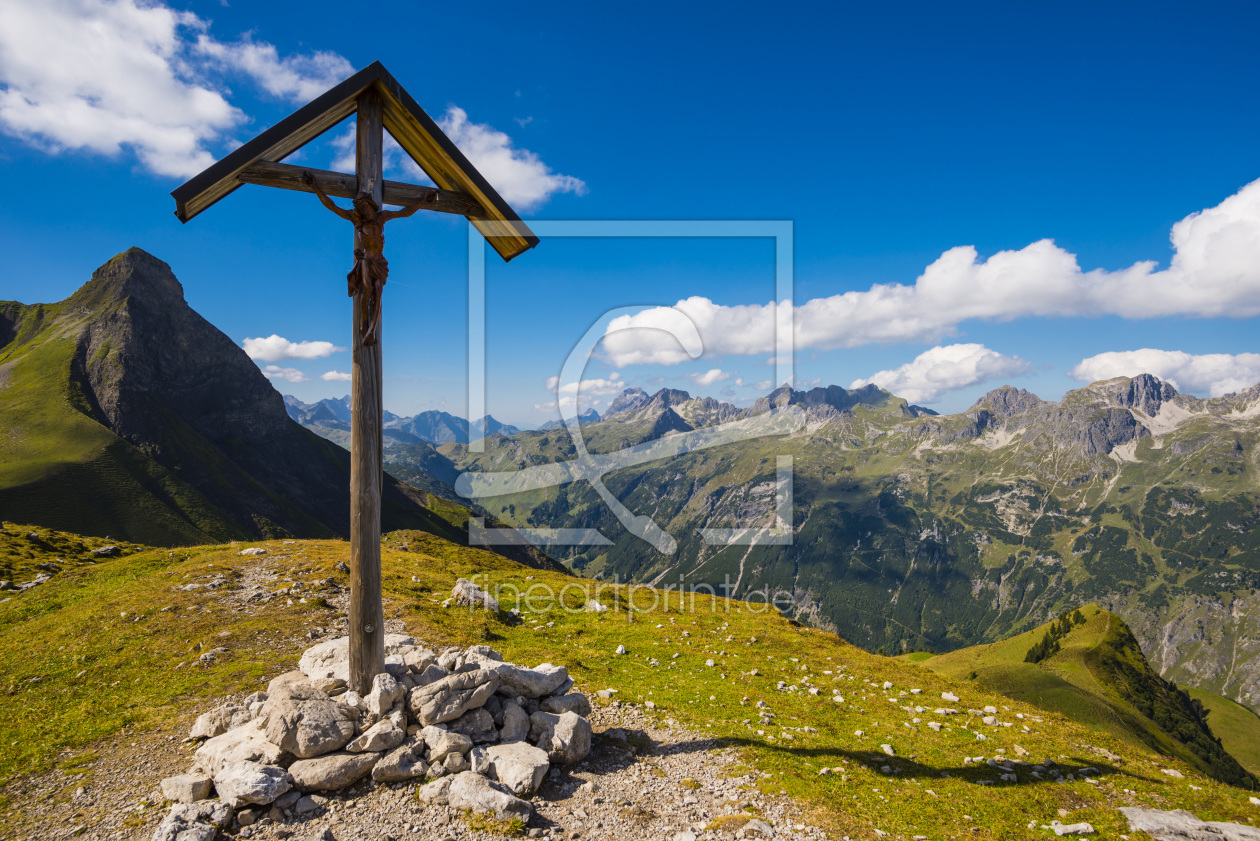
pixel 519 175
pixel 298 78
pixel 103 76
pixel 1214 272
pixel 714 375
pixel 1213 374
pixel 944 368
pixel 289 375
pixel 335 376
pixel 275 348
pixel 586 393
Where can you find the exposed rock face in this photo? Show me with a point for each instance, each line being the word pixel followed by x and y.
pixel 1144 392
pixel 1180 825
pixel 1006 402
pixel 628 399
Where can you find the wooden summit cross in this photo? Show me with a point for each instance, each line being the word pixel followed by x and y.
pixel 380 104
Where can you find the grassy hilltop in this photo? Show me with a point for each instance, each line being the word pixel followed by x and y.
pixel 120 641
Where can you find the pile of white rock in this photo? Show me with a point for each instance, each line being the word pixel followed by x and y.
pixel 483 734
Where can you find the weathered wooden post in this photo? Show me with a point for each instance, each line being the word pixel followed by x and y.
pixel 381 105
pixel 367 615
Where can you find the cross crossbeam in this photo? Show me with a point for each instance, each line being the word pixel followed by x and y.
pixel 345 186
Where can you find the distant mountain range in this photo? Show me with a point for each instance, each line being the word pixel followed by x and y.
pixel 917 530
pixel 431 427
pixel 125 413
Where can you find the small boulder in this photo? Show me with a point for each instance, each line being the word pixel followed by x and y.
pixel 248 782
pixel 531 683
pixel 467 594
pixel 435 793
pixel 519 766
pixel 386 691
pixel 469 790
pixel 382 736
pixel 450 697
pixel 456 763
pixel 305 722
pixel 332 771
pixel 442 743
pixel 216 722
pixel 515 723
pixel 199 821
pixel 186 788
pixel 332 658
pixel 402 763
pixel 244 744
pixel 477 725
pixel 574 703
pixel 565 737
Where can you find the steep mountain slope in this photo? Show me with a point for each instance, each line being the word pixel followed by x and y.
pixel 125 413
pixel 1096 674
pixel 913 530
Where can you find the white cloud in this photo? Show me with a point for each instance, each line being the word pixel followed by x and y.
pixel 104 76
pixel 298 78
pixel 1213 374
pixel 519 175
pixel 275 348
pixel 289 375
pixel 335 376
pixel 763 385
pixel 942 369
pixel 713 375
pixel 1214 272
pixel 587 392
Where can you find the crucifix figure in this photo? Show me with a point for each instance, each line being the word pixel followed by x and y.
pixel 371 269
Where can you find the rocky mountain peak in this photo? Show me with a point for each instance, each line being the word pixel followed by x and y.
pixel 1007 401
pixel 1145 392
pixel 134 274
pixel 628 399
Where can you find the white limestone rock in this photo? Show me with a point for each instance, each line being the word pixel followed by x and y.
pixel 565 737
pixel 187 788
pixel 519 766
pixel 240 783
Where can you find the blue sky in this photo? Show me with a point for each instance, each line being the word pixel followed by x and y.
pixel 893 136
